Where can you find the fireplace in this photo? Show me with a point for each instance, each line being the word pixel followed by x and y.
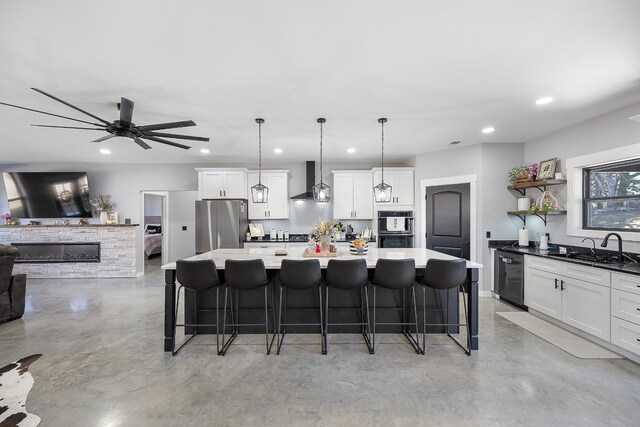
pixel 58 252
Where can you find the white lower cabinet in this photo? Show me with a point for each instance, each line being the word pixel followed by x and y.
pixel 582 304
pixel 625 311
pixel 625 334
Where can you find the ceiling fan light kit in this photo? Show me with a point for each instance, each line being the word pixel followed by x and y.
pixel 124 127
pixel 321 191
pixel 382 191
pixel 259 192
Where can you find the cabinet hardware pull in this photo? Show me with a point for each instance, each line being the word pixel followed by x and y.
pixel 220 193
pixel 556 283
pixel 562 285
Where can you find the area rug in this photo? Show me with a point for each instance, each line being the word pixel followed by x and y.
pixel 15 384
pixel 565 340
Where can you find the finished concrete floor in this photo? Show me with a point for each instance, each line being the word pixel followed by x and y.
pixel 103 365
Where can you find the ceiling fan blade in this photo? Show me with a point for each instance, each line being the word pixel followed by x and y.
pixel 170 135
pixel 164 141
pixel 67 127
pixel 104 138
pixel 171 125
pixel 141 143
pixel 50 114
pixel 126 110
pixel 71 105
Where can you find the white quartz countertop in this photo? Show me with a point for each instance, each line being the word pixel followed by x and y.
pixel 273 262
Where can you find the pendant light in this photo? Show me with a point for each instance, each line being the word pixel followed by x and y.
pixel 259 192
pixel 382 191
pixel 321 191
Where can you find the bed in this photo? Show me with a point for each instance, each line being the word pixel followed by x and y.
pixel 152 240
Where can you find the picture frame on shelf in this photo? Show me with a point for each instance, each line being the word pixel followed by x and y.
pixel 547 169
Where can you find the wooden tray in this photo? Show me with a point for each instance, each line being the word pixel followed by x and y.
pixel 319 254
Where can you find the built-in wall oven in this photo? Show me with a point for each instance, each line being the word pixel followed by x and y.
pixel 509 278
pixel 395 229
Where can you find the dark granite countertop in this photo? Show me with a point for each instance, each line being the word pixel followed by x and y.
pixel 627 267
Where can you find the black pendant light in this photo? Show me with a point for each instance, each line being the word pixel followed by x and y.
pixel 321 191
pixel 259 192
pixel 382 191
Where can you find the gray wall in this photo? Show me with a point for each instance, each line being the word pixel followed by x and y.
pixel 152 205
pixel 602 133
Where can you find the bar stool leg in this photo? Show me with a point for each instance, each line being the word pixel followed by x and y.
pixel 323 349
pixel 424 319
pixel 373 338
pixel 326 321
pixel 280 308
pixel 367 337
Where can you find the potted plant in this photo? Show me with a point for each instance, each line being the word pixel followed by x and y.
pixel 522 173
pixel 104 205
pixel 5 218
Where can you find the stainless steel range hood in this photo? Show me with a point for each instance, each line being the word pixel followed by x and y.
pixel 310 182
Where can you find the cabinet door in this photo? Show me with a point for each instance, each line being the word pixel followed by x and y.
pixel 540 293
pixel 404 188
pixel 587 307
pixel 235 185
pixel 342 195
pixel 212 185
pixel 278 203
pixel 389 179
pixel 363 195
pixel 256 210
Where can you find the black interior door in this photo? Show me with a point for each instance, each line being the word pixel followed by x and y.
pixel 448 224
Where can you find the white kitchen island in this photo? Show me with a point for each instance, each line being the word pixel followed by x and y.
pixel 272 264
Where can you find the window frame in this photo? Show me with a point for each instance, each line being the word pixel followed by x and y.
pixel 587 199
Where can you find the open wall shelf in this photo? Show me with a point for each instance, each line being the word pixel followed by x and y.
pixel 540 214
pixel 541 185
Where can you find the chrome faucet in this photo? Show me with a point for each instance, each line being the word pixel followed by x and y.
pixel 593 250
pixel 606 240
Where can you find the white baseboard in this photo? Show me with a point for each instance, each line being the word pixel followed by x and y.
pixel 485 293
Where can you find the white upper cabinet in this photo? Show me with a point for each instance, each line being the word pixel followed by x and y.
pixel 222 183
pixel 402 185
pixel 352 195
pixel 277 206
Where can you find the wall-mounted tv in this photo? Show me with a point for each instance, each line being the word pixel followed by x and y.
pixel 48 194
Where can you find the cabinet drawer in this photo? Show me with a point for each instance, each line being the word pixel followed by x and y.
pixel 587 274
pixel 625 334
pixel 543 264
pixel 625 306
pixel 626 282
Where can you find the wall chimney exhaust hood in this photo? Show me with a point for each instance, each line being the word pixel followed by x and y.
pixel 310 182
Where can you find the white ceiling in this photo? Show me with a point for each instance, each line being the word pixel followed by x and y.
pixel 439 70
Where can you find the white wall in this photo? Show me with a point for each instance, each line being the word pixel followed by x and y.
pixel 152 205
pixel 181 214
pixel 605 132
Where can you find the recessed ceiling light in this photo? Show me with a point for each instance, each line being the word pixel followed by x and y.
pixel 277 150
pixel 105 151
pixel 488 130
pixel 205 151
pixel 544 100
pixel 351 150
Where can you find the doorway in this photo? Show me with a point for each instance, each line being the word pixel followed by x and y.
pixel 448 222
pixel 154 223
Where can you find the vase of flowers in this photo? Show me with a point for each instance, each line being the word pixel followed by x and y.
pixel 522 173
pixel 5 218
pixel 325 232
pixel 104 205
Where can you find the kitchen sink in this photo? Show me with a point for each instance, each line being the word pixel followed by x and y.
pixel 600 259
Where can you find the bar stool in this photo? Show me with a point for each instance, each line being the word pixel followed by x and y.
pixel 445 275
pixel 200 275
pixel 397 274
pixel 348 275
pixel 246 275
pixel 297 275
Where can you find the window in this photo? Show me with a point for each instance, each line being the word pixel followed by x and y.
pixel 611 196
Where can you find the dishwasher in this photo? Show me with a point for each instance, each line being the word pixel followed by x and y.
pixel 509 278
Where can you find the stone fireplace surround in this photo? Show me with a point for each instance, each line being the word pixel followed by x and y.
pixel 117 249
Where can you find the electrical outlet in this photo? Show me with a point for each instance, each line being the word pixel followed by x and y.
pixel 488 234
pixel 184 228
pixel 562 250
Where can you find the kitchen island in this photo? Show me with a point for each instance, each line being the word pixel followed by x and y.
pixel 306 302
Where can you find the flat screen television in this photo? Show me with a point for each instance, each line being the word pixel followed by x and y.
pixel 48 194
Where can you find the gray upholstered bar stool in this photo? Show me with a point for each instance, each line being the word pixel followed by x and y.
pixel 445 275
pixel 297 275
pixel 246 275
pixel 397 275
pixel 348 275
pixel 198 275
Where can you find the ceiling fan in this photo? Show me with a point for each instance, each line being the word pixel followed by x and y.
pixel 121 127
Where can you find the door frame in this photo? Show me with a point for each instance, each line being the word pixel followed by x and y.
pixel 165 227
pixel 472 180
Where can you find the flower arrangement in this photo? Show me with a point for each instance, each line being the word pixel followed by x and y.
pixel 5 218
pixel 522 173
pixel 324 229
pixel 545 203
pixel 358 246
pixel 102 203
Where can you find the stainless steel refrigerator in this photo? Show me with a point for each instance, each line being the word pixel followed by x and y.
pixel 220 224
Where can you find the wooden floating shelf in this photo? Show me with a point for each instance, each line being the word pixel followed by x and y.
pixel 537 213
pixel 537 184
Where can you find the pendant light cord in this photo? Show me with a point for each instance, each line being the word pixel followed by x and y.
pixel 259 153
pixel 321 153
pixel 382 172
